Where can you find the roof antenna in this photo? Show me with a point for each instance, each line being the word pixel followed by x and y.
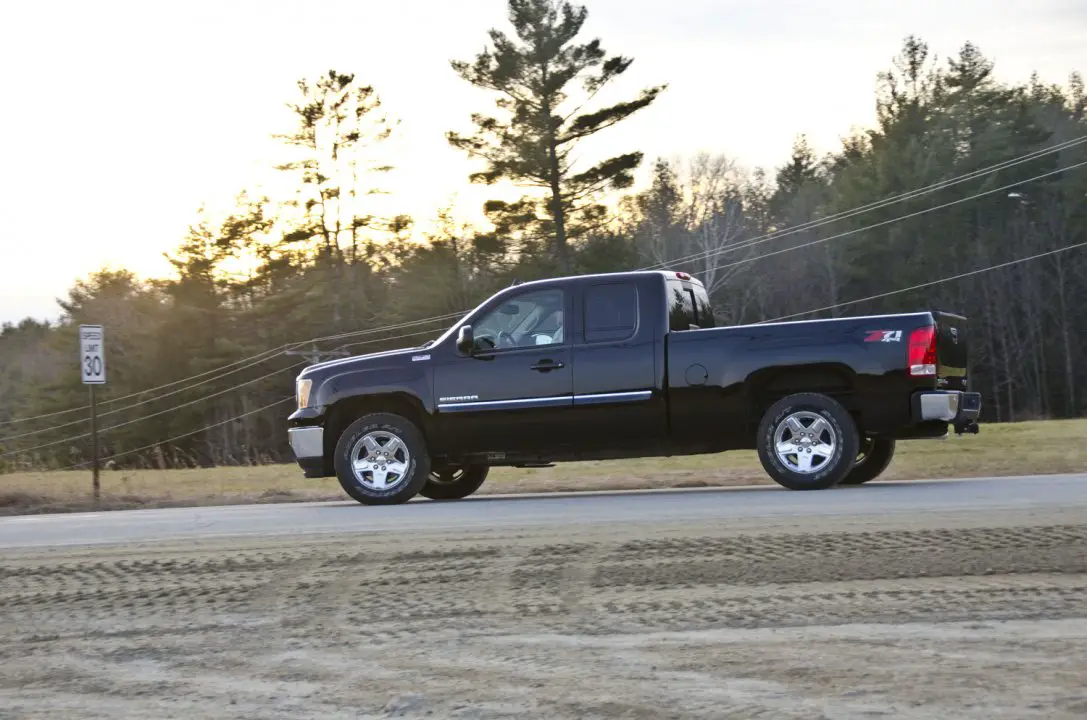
pixel 515 282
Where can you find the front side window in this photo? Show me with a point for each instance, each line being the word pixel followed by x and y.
pixel 534 318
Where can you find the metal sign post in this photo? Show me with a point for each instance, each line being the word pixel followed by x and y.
pixel 92 364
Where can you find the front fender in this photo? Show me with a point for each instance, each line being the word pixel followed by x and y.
pixel 361 382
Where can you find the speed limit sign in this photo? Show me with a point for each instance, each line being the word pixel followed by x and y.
pixel 92 354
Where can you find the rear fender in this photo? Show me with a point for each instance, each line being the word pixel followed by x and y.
pixel 768 385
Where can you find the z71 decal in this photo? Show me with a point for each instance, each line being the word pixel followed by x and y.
pixel 884 336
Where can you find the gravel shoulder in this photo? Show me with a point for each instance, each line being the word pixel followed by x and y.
pixel 971 615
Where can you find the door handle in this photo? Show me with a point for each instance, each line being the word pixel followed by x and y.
pixel 547 366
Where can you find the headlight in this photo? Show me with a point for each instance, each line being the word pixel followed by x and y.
pixel 302 391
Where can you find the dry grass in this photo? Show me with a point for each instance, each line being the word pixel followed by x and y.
pixel 1000 450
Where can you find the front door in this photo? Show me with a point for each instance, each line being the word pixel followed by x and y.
pixel 514 393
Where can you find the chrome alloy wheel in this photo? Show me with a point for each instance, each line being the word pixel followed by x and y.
pixel 447 476
pixel 805 442
pixel 380 461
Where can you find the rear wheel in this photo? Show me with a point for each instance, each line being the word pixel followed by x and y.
pixel 453 482
pixel 874 457
pixel 382 459
pixel 807 441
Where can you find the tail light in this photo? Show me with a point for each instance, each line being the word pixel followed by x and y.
pixel 921 357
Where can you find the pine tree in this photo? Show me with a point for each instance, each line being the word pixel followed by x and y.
pixel 534 74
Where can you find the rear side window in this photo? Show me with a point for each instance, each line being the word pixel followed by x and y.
pixel 703 309
pixel 680 307
pixel 611 312
pixel 688 307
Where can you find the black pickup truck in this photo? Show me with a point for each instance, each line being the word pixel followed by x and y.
pixel 621 365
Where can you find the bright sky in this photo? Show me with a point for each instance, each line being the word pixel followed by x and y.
pixel 121 118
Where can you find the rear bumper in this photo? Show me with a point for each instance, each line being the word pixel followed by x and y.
pixel 951 406
pixel 308 446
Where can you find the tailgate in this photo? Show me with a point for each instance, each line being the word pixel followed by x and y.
pixel 951 350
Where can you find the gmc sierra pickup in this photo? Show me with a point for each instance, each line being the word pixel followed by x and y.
pixel 630 365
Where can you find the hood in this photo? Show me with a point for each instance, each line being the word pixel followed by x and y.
pixel 330 366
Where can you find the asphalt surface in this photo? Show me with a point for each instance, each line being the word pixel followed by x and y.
pixel 880 499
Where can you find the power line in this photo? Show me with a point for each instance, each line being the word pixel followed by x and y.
pixel 146 401
pixel 114 411
pixel 83 436
pixel 412 323
pixel 268 354
pixel 263 356
pixel 185 435
pixel 256 359
pixel 314 356
pixel 921 286
pixel 785 317
pixel 105 430
pixel 873 226
pixel 875 205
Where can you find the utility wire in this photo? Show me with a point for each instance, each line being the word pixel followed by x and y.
pixel 105 430
pixel 256 359
pixel 268 354
pixel 891 221
pixel 779 319
pixel 102 431
pixel 184 389
pixel 920 286
pixel 875 205
pixel 175 438
pixel 786 317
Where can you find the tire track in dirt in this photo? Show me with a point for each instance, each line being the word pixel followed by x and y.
pixel 328 627
pixel 592 582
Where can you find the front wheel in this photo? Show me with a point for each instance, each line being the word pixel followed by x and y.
pixel 382 459
pixel 454 482
pixel 807 441
pixel 875 455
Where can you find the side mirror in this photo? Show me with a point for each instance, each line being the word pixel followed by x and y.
pixel 465 340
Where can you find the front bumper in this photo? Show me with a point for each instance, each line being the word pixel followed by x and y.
pixel 308 446
pixel 951 406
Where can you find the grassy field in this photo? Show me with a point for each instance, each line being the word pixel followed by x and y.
pixel 1000 450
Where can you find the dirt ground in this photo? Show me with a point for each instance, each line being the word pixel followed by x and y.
pixel 969 616
pixel 1027 448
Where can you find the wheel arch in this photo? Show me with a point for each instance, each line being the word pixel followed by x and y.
pixel 768 385
pixel 346 410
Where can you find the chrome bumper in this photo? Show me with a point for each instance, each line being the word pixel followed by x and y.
pixel 307 442
pixel 947 406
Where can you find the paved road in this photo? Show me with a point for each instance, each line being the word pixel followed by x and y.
pixel 875 500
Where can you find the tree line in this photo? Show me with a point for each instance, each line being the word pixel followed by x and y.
pixel 768 243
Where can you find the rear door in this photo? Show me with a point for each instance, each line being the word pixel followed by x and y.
pixel 616 401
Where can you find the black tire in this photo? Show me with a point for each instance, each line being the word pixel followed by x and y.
pixel 839 426
pixel 454 482
pixel 874 457
pixel 407 484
